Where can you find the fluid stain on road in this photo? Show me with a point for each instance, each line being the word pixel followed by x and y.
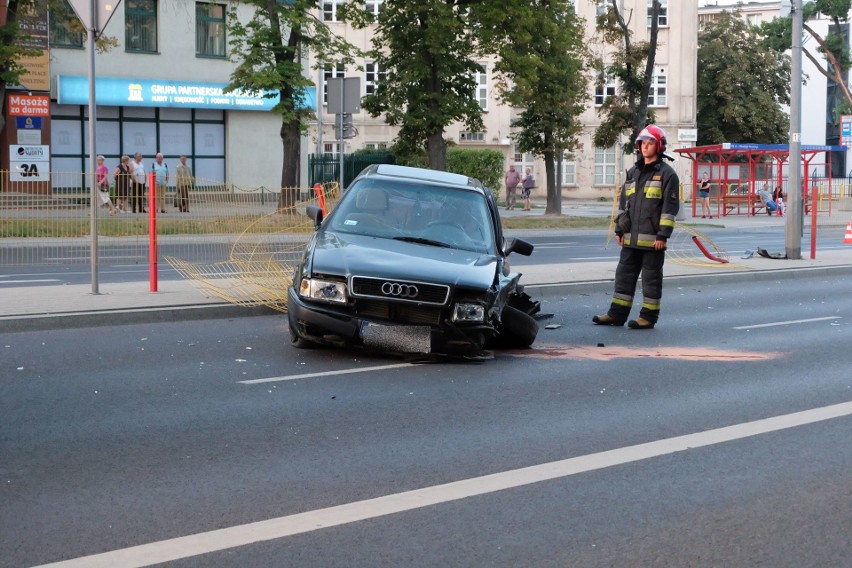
pixel 626 352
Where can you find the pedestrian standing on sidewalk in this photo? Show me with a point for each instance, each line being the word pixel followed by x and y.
pixel 647 210
pixel 704 195
pixel 122 183
pixel 137 176
pixel 183 182
pixel 528 185
pixel 161 179
pixel 511 179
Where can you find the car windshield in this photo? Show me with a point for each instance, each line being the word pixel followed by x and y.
pixel 416 212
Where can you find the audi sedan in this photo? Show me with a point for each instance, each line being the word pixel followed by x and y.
pixel 414 261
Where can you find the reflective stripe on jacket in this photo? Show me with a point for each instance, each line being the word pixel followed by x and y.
pixel 648 205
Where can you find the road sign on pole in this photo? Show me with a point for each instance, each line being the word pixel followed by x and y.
pixel 104 9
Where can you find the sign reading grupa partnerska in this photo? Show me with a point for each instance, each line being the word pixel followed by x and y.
pixel 114 91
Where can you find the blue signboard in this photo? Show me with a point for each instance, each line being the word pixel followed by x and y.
pixel 769 147
pixel 28 122
pixel 116 91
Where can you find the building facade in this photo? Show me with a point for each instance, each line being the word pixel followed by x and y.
pixel 159 89
pixel 590 172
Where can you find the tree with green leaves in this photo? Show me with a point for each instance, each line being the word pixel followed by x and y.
pixel 426 52
pixel 540 68
pixel 831 55
pixel 741 85
pixel 268 50
pixel 12 49
pixel 631 64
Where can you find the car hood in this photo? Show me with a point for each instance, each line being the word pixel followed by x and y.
pixel 348 255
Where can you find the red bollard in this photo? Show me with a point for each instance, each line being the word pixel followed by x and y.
pixel 320 198
pixel 152 229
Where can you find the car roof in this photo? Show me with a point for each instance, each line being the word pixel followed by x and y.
pixel 421 174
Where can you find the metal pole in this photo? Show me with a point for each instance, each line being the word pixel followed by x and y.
pixel 794 226
pixel 93 175
pixel 319 97
pixel 340 131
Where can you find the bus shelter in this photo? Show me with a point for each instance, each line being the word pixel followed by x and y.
pixel 736 194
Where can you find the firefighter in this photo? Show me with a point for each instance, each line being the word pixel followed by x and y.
pixel 647 209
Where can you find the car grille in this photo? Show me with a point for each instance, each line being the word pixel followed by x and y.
pixel 398 312
pixel 400 290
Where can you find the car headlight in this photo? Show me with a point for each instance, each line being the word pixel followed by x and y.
pixel 464 311
pixel 323 290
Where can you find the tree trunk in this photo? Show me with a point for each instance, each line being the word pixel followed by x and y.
pixel 291 139
pixel 436 147
pixel 554 207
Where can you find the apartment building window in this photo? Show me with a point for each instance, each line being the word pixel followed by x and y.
pixel 209 29
pixel 61 34
pixel 605 166
pixel 605 91
pixel 376 145
pixel 140 26
pixel 465 136
pixel 330 147
pixel 481 78
pixel 568 170
pixel 329 10
pixel 330 73
pixel 374 6
pixel 372 77
pixel 663 17
pixel 601 7
pixel 657 94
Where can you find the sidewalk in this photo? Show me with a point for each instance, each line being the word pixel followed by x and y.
pixel 46 307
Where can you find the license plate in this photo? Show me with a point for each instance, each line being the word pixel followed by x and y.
pixel 402 338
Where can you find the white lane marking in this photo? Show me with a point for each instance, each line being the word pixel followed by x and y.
pixel 242 535
pixel 790 322
pixel 326 373
pixel 29 281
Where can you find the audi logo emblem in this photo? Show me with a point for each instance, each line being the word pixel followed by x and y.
pixel 399 290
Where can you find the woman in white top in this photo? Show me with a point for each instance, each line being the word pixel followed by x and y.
pixel 137 177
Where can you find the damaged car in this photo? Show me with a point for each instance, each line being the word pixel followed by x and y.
pixel 414 261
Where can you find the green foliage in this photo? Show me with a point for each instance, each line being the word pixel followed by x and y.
pixel 424 48
pixel 741 85
pixel 268 50
pixel 541 69
pixel 630 64
pixel 483 164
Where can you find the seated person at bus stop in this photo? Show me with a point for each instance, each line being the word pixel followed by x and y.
pixel 766 197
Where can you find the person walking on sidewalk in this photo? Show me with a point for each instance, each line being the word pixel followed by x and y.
pixel 161 173
pixel 511 179
pixel 647 209
pixel 103 185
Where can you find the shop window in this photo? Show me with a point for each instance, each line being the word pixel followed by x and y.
pixel 140 26
pixel 209 30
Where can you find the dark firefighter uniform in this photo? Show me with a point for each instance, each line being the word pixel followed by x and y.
pixel 648 206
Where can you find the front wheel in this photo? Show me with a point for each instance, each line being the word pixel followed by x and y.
pixel 298 341
pixel 517 329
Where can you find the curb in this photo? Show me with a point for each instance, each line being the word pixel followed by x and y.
pixel 159 314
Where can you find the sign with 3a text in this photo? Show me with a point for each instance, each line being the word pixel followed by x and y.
pixel 28 105
pixel 29 162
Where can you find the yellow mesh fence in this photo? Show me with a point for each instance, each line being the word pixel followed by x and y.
pixel 258 269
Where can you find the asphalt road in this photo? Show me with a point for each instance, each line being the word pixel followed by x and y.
pixel 560 247
pixel 114 437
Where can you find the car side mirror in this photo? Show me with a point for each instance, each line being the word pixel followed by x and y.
pixel 315 213
pixel 519 246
